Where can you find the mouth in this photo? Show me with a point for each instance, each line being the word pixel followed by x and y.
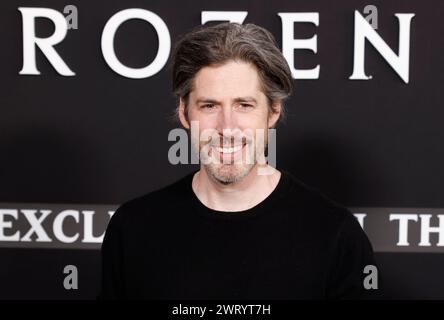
pixel 228 154
pixel 228 149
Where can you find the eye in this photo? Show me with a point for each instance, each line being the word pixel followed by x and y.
pixel 208 106
pixel 246 105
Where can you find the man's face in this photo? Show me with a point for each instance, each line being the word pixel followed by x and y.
pixel 232 111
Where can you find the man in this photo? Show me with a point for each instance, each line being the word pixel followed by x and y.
pixel 237 228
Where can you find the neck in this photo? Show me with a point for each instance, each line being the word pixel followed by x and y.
pixel 238 196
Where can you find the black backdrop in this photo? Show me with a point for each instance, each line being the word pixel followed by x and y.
pixel 100 138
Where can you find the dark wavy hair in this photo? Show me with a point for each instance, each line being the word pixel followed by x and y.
pixel 220 43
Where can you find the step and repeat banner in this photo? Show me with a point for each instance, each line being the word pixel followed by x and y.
pixel 83 227
pixel 86 112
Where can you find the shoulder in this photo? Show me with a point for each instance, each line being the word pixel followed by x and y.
pixel 333 229
pixel 314 204
pixel 327 220
pixel 152 205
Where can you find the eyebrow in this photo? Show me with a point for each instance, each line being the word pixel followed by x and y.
pixel 238 99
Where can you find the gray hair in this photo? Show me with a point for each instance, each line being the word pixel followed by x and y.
pixel 217 44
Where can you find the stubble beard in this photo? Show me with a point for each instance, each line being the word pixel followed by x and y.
pixel 230 173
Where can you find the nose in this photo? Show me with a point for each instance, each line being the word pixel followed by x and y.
pixel 226 120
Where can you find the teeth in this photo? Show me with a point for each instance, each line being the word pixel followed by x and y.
pixel 228 150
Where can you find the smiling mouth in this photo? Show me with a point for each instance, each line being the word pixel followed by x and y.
pixel 228 150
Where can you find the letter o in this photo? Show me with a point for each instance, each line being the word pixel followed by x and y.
pixel 107 43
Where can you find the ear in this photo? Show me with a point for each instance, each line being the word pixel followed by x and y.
pixel 275 114
pixel 182 114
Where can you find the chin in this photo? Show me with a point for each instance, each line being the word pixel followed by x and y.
pixel 228 173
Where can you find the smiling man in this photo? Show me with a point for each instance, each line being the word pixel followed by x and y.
pixel 231 109
pixel 237 228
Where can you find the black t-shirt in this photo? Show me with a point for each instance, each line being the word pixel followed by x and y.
pixel 296 244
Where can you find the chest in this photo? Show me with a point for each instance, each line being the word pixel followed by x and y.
pixel 229 264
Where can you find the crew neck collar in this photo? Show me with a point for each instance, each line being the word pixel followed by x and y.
pixel 282 187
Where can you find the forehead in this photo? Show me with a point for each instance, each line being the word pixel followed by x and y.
pixel 231 79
